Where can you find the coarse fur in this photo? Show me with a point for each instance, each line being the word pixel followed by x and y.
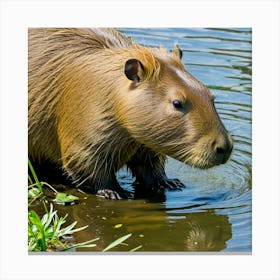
pixel 99 101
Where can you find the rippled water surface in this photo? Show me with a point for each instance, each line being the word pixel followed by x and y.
pixel 213 213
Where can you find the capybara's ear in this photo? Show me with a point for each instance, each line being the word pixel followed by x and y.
pixel 134 70
pixel 177 51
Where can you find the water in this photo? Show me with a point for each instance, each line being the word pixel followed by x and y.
pixel 214 211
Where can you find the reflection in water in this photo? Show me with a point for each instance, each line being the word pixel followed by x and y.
pixel 208 232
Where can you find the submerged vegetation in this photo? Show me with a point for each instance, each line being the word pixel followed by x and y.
pixel 47 233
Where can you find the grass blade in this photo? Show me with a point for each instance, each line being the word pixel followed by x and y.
pixel 117 242
pixel 86 244
pixel 36 221
pixel 135 249
pixel 35 176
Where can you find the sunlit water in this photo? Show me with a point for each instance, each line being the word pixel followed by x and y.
pixel 213 213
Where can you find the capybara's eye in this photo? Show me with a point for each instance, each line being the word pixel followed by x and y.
pixel 177 104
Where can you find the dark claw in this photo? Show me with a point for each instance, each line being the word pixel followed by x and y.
pixel 172 184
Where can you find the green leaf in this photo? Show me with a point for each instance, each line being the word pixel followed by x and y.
pixel 117 242
pixel 38 183
pixel 67 230
pixel 83 244
pixel 34 192
pixel 65 198
pixel 135 249
pixel 48 217
pixel 78 229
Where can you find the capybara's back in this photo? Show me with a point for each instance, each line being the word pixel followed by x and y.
pixel 53 54
pixel 98 101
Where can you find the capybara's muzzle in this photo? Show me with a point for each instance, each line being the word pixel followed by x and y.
pixel 222 147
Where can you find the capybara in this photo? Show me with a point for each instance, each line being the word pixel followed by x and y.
pixel 99 101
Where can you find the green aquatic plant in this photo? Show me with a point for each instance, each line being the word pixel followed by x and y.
pixel 63 198
pixel 35 189
pixel 47 233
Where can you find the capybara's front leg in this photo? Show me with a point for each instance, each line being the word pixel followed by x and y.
pixel 171 184
pixel 148 168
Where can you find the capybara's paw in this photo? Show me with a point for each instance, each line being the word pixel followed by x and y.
pixel 111 194
pixel 172 184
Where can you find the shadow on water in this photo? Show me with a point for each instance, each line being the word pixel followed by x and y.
pixel 213 213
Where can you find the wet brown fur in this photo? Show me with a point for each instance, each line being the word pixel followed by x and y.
pixel 86 116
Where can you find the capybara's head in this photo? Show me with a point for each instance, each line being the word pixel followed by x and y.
pixel 170 111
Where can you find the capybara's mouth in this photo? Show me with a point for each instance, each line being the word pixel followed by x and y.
pixel 207 165
pixel 216 153
pixel 203 159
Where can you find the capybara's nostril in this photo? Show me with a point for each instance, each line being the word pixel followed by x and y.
pixel 223 147
pixel 220 150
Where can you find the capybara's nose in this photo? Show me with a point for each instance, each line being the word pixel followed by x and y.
pixel 223 148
